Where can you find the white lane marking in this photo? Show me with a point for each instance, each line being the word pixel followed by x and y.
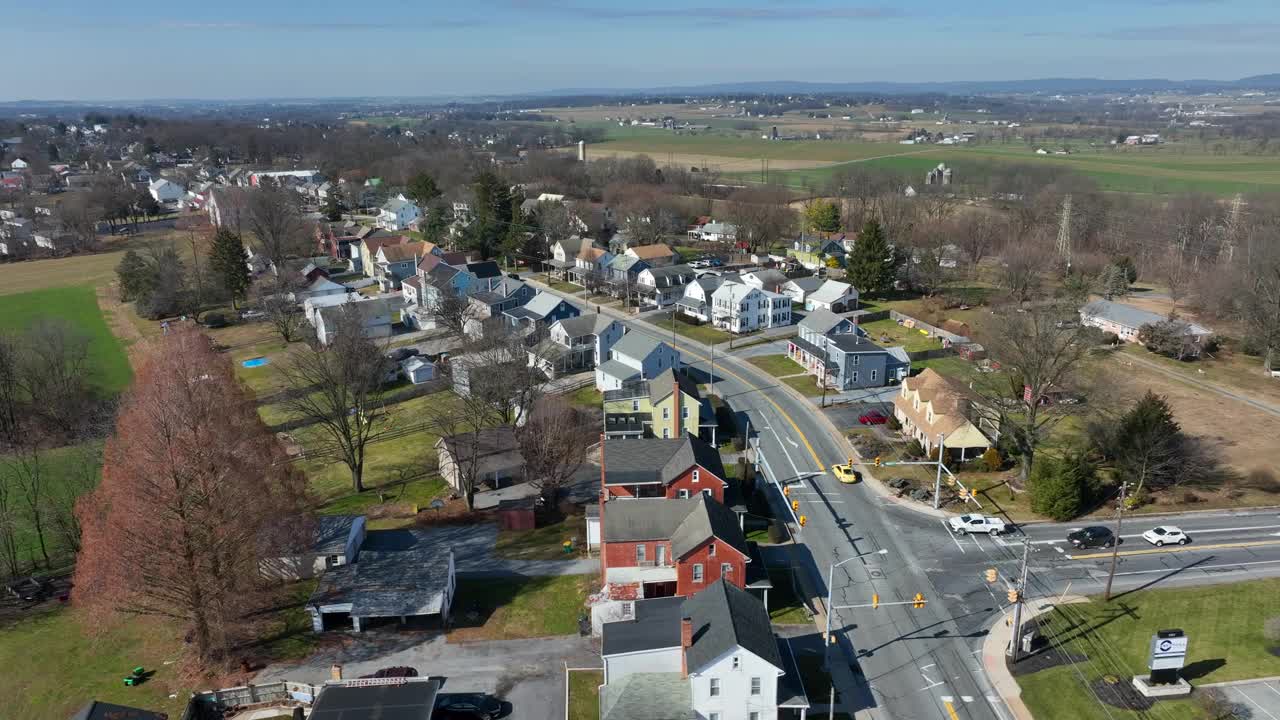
pixel 1271 687
pixel 1060 550
pixel 947 527
pixel 793 442
pixel 967 698
pixel 1198 567
pixel 1255 702
pixel 946 698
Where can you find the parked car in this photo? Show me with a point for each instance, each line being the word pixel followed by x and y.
pixel 966 524
pixel 480 706
pixel 873 417
pixel 1092 537
pixel 1162 535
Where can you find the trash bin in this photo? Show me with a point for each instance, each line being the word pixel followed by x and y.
pixel 1028 641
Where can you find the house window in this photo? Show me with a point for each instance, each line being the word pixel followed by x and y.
pixel 737 662
pixel 695 475
pixel 715 683
pixel 684 412
pixel 755 690
pixel 753 716
pixel 666 413
pixel 682 494
pixel 697 572
pixel 707 492
pixel 628 609
pixel 874 374
pixel 855 376
pixel 332 561
pixel 666 433
pixel 635 406
pixel 711 550
pixel 726 569
pixel 639 554
pixel 856 358
pixel 713 716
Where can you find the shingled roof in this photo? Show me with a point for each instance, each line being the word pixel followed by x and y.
pixel 649 461
pixel 725 617
pixel 687 523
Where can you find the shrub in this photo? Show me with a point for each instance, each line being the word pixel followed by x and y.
pixel 1060 489
pixel 1190 498
pixel 1271 629
pixel 914 450
pixel 739 443
pixel 215 320
pixel 777 533
pixel 893 424
pixel 991 460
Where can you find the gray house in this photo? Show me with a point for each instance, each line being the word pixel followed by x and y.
pixel 834 349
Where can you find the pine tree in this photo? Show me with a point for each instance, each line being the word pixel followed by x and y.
pixel 134 276
pixel 230 264
pixel 1148 445
pixel 422 189
pixel 333 205
pixel 1115 281
pixel 1061 489
pixel 873 265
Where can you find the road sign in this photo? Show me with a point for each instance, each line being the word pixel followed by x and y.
pixel 1168 650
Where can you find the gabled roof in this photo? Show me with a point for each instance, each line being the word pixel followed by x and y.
pixel 332 532
pixel 636 344
pixel 650 252
pixel 581 325
pixel 733 292
pixel 768 278
pixel 664 384
pixel 807 284
pixel 484 269
pixel 686 523
pixel 708 519
pixel 821 321
pixel 662 275
pixel 831 291
pixel 572 245
pixel 657 460
pixel 542 305
pixel 648 696
pixel 98 710
pixel 625 262
pixel 950 401
pixel 725 618
pixel 414 699
pixel 374 243
pixel 401 252
pixel 1133 317
pixel 395 204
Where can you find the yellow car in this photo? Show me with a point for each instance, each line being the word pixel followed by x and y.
pixel 846 474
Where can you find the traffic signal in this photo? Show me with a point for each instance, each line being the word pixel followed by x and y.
pixel 1013 596
pixel 795 504
pixel 803 520
pixel 951 482
pixel 875 602
pixel 787 491
pixel 964 493
pixel 850 461
pixel 918 601
pixel 877 461
pixel 991 575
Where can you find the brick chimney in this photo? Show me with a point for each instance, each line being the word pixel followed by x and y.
pixel 686 642
pixel 335 672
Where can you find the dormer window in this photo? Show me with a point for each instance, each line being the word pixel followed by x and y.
pixel 695 475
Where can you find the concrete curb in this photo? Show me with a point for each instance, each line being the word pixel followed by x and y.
pixel 1170 514
pixel 993 655
pixel 1233 683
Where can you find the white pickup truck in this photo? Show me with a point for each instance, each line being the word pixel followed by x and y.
pixel 977 524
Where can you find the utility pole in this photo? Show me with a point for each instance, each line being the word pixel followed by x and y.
pixel 1064 232
pixel 1115 542
pixel 713 368
pixel 937 481
pixel 1015 643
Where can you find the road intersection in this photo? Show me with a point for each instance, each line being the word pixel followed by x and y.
pixel 907 662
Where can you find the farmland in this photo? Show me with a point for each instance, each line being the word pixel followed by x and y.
pixel 78 307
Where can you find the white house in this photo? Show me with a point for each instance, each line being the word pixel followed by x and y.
pixel 696 301
pixel 166 192
pixel 768 279
pixel 662 286
pixel 636 356
pixel 19 164
pixel 715 231
pixel 832 295
pixel 710 656
pixel 375 318
pixel 398 213
pixel 741 308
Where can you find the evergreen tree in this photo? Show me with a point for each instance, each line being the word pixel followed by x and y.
pixel 422 190
pixel 229 261
pixel 822 216
pixel 1130 270
pixel 1061 489
pixel 333 205
pixel 873 265
pixel 437 224
pixel 134 276
pixel 1115 281
pixel 488 230
pixel 1148 448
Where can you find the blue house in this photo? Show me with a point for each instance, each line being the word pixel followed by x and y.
pixel 835 349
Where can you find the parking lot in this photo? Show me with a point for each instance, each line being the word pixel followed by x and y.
pixel 1259 699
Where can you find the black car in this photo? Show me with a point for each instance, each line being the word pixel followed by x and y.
pixel 1092 537
pixel 480 706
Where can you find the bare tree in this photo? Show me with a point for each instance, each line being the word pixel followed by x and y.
pixel 55 369
pixel 276 300
pixel 78 478
pixel 449 309
pixel 339 388
pixel 1261 303
pixel 9 519
pixel 275 220
pixel 10 388
pixel 27 473
pixel 1020 273
pixel 553 443
pixel 977 235
pixel 1042 353
pixel 763 216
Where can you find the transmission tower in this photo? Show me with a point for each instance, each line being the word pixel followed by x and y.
pixel 1232 230
pixel 1064 232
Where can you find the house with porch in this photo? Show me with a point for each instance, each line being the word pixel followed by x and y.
pixel 394 263
pixel 740 308
pixel 637 356
pixel 662 407
pixel 398 213
pixel 488 306
pixel 662 286
pixel 577 343
pixel 834 349
pixel 932 406
pixel 591 266
pixel 696 301
pixel 712 655
pixel 540 313
pixel 564 256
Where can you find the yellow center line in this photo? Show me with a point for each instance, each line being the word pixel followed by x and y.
pixel 951 710
pixel 1180 549
pixel 821 467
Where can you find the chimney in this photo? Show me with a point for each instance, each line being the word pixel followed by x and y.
pixel 686 642
pixel 335 673
pixel 582 151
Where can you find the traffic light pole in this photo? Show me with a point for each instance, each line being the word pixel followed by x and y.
pixel 1015 643
pixel 937 480
pixel 1115 545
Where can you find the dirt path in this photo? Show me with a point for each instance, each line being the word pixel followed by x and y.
pixel 114 312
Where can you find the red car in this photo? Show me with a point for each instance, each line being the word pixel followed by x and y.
pixel 874 417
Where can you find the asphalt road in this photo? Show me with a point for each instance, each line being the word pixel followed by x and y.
pixel 924 663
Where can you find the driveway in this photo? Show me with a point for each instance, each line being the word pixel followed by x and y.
pixel 1259 699
pixel 527 673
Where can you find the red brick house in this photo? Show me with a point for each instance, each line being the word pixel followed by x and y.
pixel 660 547
pixel 656 468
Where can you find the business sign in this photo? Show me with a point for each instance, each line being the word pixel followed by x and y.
pixel 1168 650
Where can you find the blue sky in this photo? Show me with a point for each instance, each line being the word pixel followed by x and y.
pixel 284 48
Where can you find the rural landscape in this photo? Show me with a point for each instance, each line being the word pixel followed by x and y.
pixel 661 398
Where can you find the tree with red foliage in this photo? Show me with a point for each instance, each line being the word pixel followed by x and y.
pixel 195 492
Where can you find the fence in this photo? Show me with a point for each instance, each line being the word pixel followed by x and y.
pixel 950 337
pixel 211 703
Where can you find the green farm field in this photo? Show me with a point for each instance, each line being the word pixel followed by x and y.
pixel 78 307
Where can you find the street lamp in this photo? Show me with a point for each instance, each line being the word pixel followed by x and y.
pixel 831 571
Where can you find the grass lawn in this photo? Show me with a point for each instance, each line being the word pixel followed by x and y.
pixel 785 607
pixel 78 307
pixel 889 332
pixel 544 543
pixel 776 365
pixel 561 285
pixel 52 668
pixel 72 469
pixel 805 384
pixel 701 333
pixel 584 694
pixel 587 397
pixel 1224 623
pixel 512 608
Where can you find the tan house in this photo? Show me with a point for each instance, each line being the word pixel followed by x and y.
pixel 656 255
pixel 930 405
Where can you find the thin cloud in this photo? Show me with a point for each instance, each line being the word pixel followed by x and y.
pixel 1248 33
pixel 776 13
pixel 239 25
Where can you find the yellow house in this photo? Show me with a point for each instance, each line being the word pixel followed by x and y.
pixel 932 405
pixel 664 407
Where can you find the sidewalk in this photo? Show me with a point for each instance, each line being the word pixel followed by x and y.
pixel 993 655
